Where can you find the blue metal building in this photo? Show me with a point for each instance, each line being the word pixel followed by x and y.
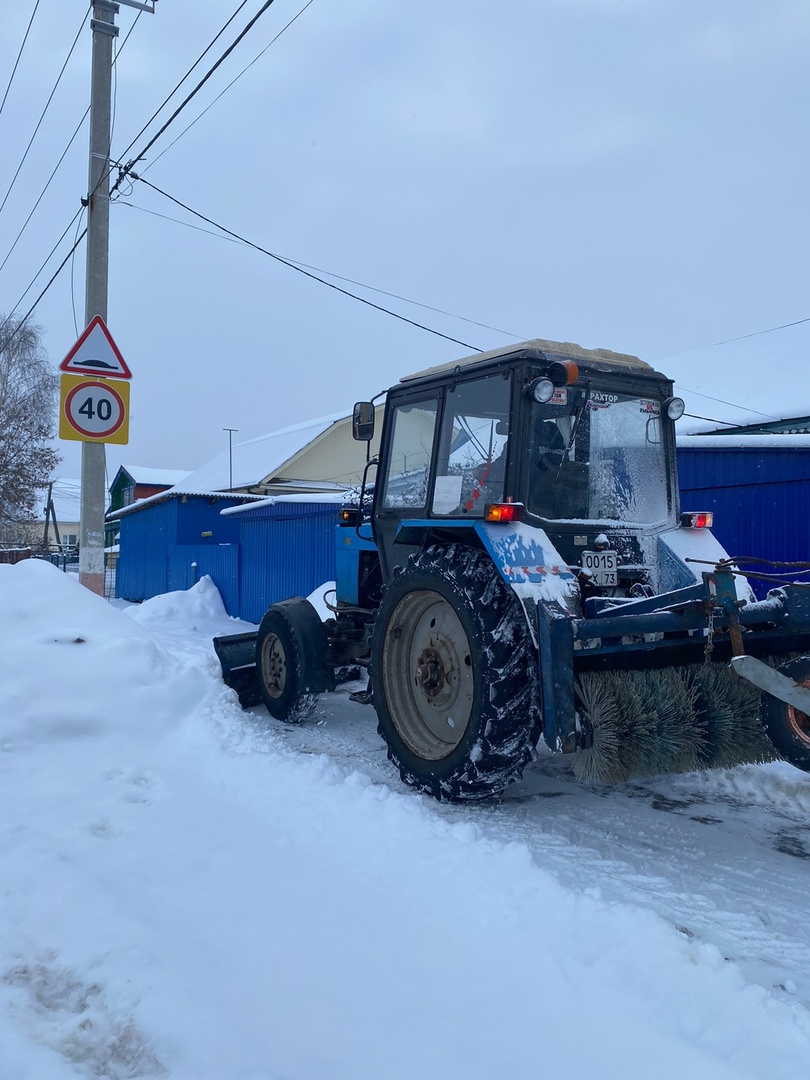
pixel 287 549
pixel 172 542
pixel 758 488
pixel 255 555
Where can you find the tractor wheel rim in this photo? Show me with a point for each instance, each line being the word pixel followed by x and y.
pixel 274 666
pixel 799 721
pixel 428 674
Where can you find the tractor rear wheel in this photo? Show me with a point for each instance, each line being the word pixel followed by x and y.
pixel 788 728
pixel 454 676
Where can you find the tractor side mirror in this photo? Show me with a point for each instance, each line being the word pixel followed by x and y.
pixel 363 421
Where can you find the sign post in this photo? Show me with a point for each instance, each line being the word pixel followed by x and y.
pixel 94 410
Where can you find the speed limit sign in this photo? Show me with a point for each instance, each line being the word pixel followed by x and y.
pixel 94 410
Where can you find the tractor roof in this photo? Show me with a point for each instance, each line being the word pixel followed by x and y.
pixel 539 347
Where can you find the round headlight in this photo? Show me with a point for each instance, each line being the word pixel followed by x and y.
pixel 542 390
pixel 674 407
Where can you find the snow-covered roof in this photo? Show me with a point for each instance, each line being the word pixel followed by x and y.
pixel 768 441
pixel 175 493
pixel 154 477
pixel 258 458
pixel 336 497
pixel 755 380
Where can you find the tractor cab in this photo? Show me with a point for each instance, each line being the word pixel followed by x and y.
pixel 574 441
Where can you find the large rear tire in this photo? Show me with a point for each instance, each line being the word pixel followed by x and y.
pixel 454 677
pixel 788 728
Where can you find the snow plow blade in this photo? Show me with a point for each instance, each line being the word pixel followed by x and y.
pixel 237 656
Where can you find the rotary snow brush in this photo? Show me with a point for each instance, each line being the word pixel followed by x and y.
pixel 673 720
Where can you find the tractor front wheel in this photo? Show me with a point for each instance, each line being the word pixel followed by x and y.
pixel 454 676
pixel 291 659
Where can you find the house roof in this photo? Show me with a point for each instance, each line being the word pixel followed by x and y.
pixel 153 477
pixel 754 380
pixel 259 458
pixel 767 441
pixel 175 493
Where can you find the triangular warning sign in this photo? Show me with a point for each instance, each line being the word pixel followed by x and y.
pixel 96 353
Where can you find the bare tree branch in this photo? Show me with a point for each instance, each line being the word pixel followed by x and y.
pixel 28 409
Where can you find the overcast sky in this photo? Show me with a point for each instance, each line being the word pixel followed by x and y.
pixel 631 174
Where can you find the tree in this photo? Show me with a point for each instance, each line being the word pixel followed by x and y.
pixel 28 410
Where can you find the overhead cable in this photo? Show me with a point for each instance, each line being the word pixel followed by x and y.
pixel 300 270
pixel 171 94
pixel 230 84
pixel 19 54
pixel 64 152
pixel 55 275
pixel 47 104
pixel 45 188
pixel 328 273
pixel 45 262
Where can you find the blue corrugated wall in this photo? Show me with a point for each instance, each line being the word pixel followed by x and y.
pixel 162 549
pixel 760 498
pixel 288 549
pixel 254 558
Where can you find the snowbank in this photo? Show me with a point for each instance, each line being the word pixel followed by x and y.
pixel 192 899
pixel 71 666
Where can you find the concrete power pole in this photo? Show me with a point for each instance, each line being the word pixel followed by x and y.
pixel 91 534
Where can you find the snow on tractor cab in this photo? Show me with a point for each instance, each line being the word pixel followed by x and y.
pixel 523 570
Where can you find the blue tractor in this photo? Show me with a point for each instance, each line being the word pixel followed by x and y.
pixel 522 570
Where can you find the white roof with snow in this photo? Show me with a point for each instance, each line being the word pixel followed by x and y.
pixel 155 477
pixel 257 458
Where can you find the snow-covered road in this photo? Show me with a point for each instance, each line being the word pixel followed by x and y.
pixel 191 891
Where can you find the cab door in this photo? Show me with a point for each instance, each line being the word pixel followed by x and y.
pixel 404 479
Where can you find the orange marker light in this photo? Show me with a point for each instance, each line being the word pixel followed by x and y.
pixel 505 511
pixel 702 520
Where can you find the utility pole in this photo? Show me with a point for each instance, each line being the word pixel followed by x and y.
pixel 102 24
pixel 230 431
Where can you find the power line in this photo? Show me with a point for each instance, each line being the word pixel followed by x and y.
pixel 329 273
pixel 123 172
pixel 64 152
pixel 56 168
pixel 47 104
pixel 188 97
pixel 171 94
pixel 230 84
pixel 56 274
pixel 757 333
pixel 306 273
pixel 45 188
pixel 19 54
pixel 42 267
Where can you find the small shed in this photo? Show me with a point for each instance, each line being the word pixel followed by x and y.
pixel 171 540
pixel 758 487
pixel 287 548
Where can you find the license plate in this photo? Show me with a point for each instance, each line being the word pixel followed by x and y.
pixel 603 566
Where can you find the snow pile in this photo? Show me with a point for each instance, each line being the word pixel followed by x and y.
pixel 71 666
pixel 193 899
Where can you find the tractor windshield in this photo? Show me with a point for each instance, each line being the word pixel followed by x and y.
pixel 598 456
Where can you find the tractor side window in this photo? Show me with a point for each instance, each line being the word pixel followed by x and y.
pixel 406 480
pixel 471 466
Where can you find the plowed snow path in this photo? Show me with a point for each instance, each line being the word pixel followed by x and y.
pixel 723 855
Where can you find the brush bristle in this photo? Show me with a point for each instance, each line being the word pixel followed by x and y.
pixel 669 720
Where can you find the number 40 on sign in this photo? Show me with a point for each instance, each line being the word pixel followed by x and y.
pixel 94 410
